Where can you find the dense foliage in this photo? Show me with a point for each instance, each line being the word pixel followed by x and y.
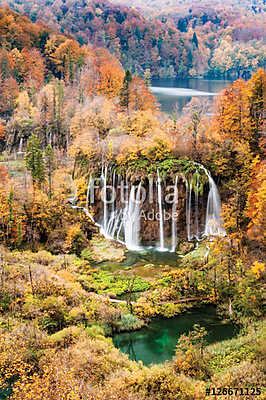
pixel 184 40
pixel 66 107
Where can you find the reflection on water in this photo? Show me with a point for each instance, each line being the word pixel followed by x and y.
pixel 140 259
pixel 180 92
pixel 157 343
pixel 174 94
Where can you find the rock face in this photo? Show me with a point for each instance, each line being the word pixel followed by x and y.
pixel 173 214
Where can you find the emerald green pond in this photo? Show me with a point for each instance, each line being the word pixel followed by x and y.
pixel 157 342
pixel 136 259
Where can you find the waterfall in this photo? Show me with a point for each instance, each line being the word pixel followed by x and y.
pixel 88 193
pixel 73 200
pixel 188 208
pixel 120 219
pixel 115 225
pixel 110 222
pixel 20 145
pixel 213 225
pixel 122 222
pixel 159 187
pixel 105 205
pixel 123 212
pixel 86 209
pixel 132 219
pixel 174 239
pixel 113 202
pixel 197 207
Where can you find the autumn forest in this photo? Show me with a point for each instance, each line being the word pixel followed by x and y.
pixel 132 261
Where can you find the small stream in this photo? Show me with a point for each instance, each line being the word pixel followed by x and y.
pixel 157 342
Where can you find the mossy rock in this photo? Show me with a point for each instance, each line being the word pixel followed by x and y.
pixel 101 249
pixel 148 266
pixel 195 258
pixel 185 247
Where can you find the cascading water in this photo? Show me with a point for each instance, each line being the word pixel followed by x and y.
pixel 105 209
pixel 188 208
pixel 121 219
pixel 161 220
pixel 213 226
pixel 132 219
pixel 88 193
pixel 20 145
pixel 175 200
pixel 197 207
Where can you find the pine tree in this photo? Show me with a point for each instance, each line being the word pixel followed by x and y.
pixel 125 93
pixel 5 69
pixel 34 160
pixel 49 161
pixel 10 205
pixel 195 40
pixel 147 77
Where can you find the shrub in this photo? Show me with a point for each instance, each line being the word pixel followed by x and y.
pixel 129 322
pixel 5 301
pixel 43 257
pixel 169 310
pixel 75 240
pixel 144 308
pixel 246 374
pixel 162 383
pixel 54 313
pixel 190 363
pixel 65 337
pixel 94 331
pixel 78 315
pixel 189 354
pixel 31 307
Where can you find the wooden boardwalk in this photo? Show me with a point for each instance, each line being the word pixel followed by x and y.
pixel 188 300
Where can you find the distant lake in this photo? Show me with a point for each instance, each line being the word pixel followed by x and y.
pixel 176 93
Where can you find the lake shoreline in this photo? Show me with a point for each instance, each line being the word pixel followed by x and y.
pixel 161 331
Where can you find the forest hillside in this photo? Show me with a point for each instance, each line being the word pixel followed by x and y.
pixel 184 40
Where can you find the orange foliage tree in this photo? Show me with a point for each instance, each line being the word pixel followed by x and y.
pixel 140 98
pixel 110 74
pixel 256 202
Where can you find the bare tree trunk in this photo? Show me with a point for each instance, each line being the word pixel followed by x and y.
pixel 31 281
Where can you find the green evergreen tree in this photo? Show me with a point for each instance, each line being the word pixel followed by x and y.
pixel 124 93
pixel 10 205
pixel 20 234
pixel 5 69
pixel 49 162
pixel 195 40
pixel 147 77
pixel 34 160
